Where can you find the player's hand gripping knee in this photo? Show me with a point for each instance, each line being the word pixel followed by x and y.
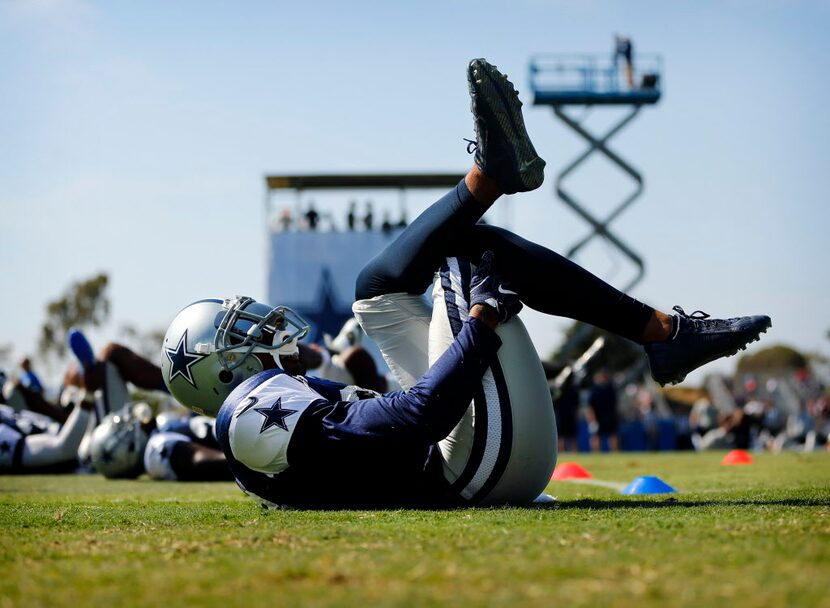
pixel 491 290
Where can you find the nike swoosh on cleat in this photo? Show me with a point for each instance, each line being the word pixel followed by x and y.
pixel 507 292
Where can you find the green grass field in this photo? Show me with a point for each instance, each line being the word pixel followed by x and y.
pixel 757 535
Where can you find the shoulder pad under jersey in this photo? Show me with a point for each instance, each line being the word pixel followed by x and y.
pixel 263 421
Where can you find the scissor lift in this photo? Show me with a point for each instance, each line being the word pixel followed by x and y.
pixel 594 81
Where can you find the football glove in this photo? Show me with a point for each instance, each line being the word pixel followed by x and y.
pixel 491 290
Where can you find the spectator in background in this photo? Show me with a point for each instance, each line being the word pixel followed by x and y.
pixel 741 423
pixel 369 218
pixel 647 413
pixel 285 220
pixel 801 429
pixel 312 217
pixel 771 427
pixel 327 219
pixel 386 226
pixel 623 48
pixel 402 222
pixel 351 216
pixel 823 429
pixel 603 401
pixel 682 427
pixel 703 417
pixel 566 408
pixel 29 379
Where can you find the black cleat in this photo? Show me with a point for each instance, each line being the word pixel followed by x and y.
pixel 698 340
pixel 503 150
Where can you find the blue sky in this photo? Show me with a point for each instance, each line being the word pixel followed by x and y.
pixel 134 138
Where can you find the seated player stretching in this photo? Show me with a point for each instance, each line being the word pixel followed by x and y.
pixel 474 423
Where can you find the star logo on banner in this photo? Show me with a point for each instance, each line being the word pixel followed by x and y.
pixel 274 416
pixel 328 313
pixel 181 360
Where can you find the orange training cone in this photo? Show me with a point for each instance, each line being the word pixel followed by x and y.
pixel 737 457
pixel 570 470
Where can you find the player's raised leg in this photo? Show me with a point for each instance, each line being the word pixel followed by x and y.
pixel 388 290
pixel 506 162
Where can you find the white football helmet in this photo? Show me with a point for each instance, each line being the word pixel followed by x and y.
pixel 209 347
pixel 117 445
pixel 351 334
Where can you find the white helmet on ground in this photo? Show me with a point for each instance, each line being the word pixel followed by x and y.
pixel 117 445
pixel 209 347
pixel 351 334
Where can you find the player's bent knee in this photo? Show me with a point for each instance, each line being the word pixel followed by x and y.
pixel 111 352
pixel 399 324
pixel 365 286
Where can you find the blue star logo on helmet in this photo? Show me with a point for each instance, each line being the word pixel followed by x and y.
pixel 181 360
pixel 274 416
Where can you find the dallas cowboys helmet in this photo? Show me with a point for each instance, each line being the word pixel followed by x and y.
pixel 117 445
pixel 209 347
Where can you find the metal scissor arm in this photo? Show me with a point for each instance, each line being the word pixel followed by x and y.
pixel 601 226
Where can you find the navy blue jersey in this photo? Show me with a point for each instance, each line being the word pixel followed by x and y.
pixel 378 452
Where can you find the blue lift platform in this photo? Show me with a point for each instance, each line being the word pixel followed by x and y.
pixel 593 81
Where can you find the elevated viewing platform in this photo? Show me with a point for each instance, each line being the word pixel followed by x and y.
pixel 594 79
pixel 320 236
pixel 362 181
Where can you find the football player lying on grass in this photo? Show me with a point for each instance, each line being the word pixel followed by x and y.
pixel 105 375
pixel 128 441
pixel 22 399
pixel 474 424
pixel 27 444
pixel 28 448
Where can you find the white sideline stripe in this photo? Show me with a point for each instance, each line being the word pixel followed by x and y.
pixel 614 485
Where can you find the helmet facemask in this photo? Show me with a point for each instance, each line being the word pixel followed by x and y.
pixel 249 327
pixel 212 346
